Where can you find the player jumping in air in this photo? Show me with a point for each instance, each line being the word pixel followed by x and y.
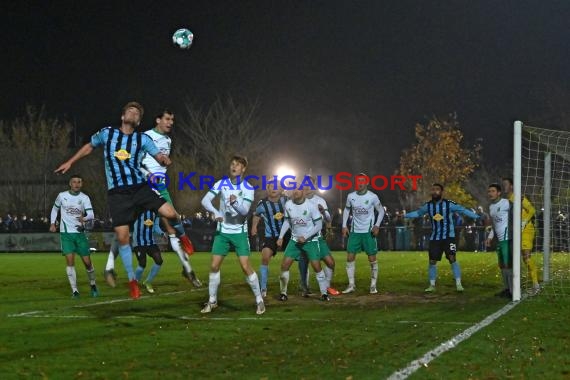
pixel 128 190
pixel 156 172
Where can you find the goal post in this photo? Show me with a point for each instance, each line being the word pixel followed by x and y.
pixel 517 170
pixel 541 173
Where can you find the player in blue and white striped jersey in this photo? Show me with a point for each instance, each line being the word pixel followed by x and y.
pixel 128 191
pixel 442 237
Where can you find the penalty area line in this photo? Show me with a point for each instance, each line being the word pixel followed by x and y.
pixel 413 366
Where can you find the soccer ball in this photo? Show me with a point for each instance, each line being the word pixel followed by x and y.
pixel 183 38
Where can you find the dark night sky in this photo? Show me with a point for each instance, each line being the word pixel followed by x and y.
pixel 351 77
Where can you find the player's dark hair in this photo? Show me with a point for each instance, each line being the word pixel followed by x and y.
pixel 508 179
pixel 438 185
pixel 136 105
pixel 164 111
pixel 241 159
pixel 75 176
pixel 496 186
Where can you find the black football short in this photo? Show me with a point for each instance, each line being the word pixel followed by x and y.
pixel 438 247
pixel 125 204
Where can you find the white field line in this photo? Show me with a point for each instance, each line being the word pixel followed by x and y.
pixel 413 366
pixel 26 314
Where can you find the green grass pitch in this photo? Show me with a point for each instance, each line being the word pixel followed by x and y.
pixel 47 335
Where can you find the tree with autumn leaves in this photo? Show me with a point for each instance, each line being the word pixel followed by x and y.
pixel 439 155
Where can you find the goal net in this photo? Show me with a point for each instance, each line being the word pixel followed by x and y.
pixel 543 161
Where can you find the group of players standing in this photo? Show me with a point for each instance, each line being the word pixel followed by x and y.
pixel 133 159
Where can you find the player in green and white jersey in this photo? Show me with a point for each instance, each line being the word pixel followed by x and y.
pixel 501 213
pixel 305 222
pixel 75 209
pixel 363 232
pixel 321 204
pixel 235 196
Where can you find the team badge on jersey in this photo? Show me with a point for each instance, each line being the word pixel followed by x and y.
pixel 437 217
pixel 148 223
pixel 122 155
pixel 278 216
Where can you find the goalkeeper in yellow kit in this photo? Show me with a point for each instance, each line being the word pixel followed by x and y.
pixel 527 236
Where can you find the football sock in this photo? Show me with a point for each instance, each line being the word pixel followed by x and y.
pixel 138 273
pixel 72 277
pixel 253 282
pixel 126 254
pixel 456 272
pixel 350 269
pixel 328 275
pixel 91 275
pixel 283 282
pixel 531 266
pixel 432 272
pixel 175 243
pixel 264 271
pixel 322 280
pixel 373 273
pixel 153 272
pixel 110 259
pixel 213 286
pixel 509 273
pixel 505 278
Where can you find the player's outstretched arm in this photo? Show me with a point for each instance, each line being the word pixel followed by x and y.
pixel 85 150
pixel 417 213
pixel 462 210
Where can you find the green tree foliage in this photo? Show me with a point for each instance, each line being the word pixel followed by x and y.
pixel 440 155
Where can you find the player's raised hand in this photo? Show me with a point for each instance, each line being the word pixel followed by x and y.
pixel 63 168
